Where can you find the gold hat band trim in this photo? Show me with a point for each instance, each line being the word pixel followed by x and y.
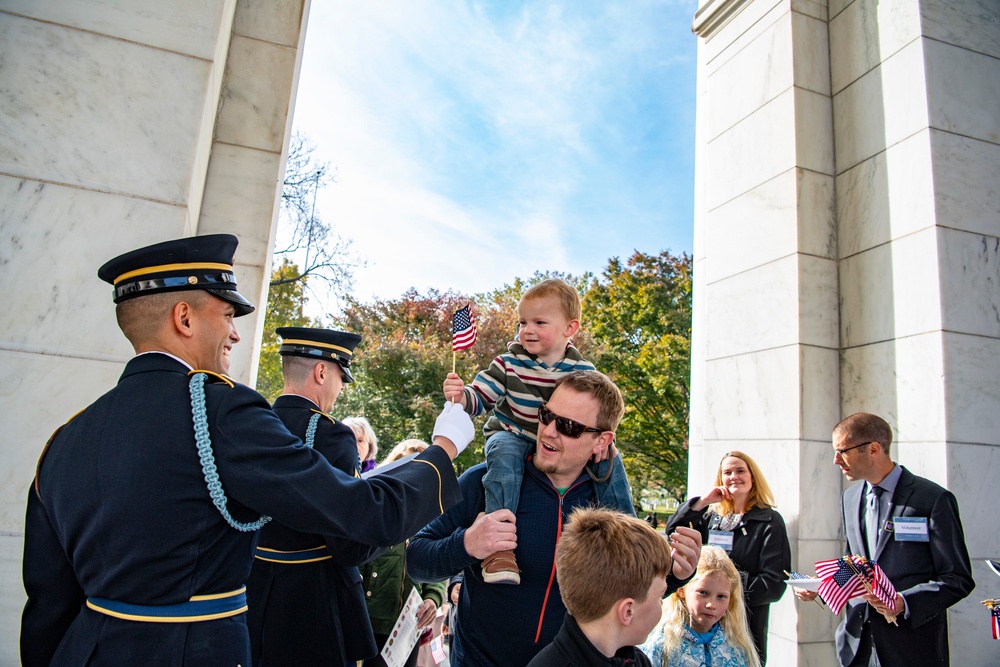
pixel 312 343
pixel 189 266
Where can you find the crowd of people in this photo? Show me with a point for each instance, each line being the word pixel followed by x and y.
pixel 182 520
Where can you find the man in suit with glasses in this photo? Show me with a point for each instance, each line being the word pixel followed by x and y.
pixel 910 526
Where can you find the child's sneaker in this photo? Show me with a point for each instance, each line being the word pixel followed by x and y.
pixel 501 568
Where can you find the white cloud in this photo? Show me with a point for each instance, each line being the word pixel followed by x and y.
pixel 460 137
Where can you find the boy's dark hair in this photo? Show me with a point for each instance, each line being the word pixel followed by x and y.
pixel 605 556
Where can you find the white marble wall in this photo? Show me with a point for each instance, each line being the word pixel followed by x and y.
pixel 122 124
pixel 765 367
pixel 916 87
pixel 847 257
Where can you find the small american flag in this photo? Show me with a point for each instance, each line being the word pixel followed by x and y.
pixel 882 588
pixel 994 607
pixel 850 576
pixel 840 583
pixel 463 328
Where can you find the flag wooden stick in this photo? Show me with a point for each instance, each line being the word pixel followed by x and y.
pixel 891 618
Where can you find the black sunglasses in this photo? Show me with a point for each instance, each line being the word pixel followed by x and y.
pixel 565 425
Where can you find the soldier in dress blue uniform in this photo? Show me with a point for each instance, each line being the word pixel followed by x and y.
pixel 307 604
pixel 144 514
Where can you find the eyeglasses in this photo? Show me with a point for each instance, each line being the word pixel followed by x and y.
pixel 847 449
pixel 565 425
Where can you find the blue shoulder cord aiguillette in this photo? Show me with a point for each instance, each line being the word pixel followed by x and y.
pixel 204 441
pixel 311 431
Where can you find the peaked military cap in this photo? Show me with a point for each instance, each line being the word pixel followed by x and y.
pixel 320 344
pixel 196 262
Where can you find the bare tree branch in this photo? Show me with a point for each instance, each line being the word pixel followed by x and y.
pixel 317 249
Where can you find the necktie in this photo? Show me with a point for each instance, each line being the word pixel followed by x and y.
pixel 872 519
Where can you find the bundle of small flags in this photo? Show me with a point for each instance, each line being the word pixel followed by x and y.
pixel 994 607
pixel 463 329
pixel 851 576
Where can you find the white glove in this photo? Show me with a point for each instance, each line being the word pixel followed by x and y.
pixel 456 425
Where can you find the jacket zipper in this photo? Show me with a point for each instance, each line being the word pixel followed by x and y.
pixel 552 574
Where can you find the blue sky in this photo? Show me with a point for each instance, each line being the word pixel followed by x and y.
pixel 477 142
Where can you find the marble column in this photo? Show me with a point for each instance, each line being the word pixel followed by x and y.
pixel 122 124
pixel 847 223
pixel 916 89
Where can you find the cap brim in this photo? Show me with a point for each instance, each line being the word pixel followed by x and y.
pixel 243 307
pixel 348 375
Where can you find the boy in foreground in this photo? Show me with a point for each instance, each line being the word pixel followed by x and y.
pixel 612 570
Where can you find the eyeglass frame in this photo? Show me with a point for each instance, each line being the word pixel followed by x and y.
pixel 843 451
pixel 564 422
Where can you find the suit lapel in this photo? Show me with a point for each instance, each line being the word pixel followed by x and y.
pixel 852 523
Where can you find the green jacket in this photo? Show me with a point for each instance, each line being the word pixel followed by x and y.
pixel 387 587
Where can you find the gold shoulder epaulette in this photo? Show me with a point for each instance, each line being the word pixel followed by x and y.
pixel 45 449
pixel 320 412
pixel 215 377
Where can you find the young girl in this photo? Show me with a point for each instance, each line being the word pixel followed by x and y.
pixel 705 622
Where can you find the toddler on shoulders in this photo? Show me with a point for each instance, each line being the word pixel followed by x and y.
pixel 515 387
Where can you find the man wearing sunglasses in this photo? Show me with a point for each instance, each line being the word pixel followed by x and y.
pixel 508 625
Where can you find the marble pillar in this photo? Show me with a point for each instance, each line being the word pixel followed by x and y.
pixel 847 258
pixel 121 125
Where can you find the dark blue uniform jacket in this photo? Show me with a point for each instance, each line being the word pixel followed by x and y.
pixel 311 613
pixel 122 512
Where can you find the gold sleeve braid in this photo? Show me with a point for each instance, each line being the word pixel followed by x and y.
pixel 438 472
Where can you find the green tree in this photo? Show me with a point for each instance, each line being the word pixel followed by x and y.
pixel 637 321
pixel 402 361
pixel 638 314
pixel 283 300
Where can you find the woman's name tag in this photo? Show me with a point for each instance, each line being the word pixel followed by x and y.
pixel 911 529
pixel 721 538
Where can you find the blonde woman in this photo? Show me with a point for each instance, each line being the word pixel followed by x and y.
pixel 705 622
pixel 737 515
